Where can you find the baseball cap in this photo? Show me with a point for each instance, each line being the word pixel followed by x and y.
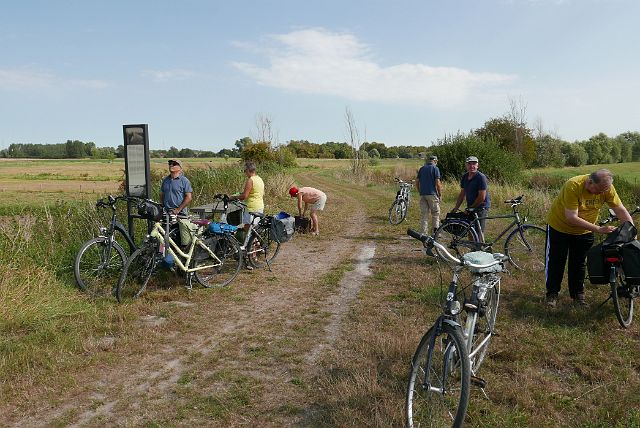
pixel 293 191
pixel 433 157
pixel 471 159
pixel 176 161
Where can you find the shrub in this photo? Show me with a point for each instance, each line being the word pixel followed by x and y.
pixel 453 151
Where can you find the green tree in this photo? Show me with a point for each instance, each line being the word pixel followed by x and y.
pixel 549 152
pixel 242 143
pixel 574 154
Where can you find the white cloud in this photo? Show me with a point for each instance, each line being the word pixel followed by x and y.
pixel 168 75
pixel 316 61
pixel 30 80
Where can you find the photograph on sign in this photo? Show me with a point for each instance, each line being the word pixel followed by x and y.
pixel 135 135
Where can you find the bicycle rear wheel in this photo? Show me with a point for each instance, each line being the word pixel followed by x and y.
pixel 221 272
pixel 622 296
pixel 458 237
pixel 526 248
pixel 97 266
pixel 398 211
pixel 261 249
pixel 439 380
pixel 137 271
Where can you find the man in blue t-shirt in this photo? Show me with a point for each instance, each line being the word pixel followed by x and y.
pixel 474 188
pixel 430 189
pixel 175 190
pixel 175 195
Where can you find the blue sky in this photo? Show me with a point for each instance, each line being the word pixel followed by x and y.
pixel 200 72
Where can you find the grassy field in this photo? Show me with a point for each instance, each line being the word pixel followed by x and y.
pixel 263 352
pixel 630 171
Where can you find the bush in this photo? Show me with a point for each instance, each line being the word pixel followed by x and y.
pixel 453 151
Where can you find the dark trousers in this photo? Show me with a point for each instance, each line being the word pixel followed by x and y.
pixel 559 246
pixel 482 222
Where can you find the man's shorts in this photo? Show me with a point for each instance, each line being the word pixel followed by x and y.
pixel 319 206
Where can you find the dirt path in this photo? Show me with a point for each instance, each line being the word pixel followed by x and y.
pixel 240 356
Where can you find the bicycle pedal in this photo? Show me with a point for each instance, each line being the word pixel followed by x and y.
pixel 479 382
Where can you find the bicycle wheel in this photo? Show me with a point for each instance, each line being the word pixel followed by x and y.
pixel 398 211
pixel 484 325
pixel 622 297
pixel 137 271
pixel 438 389
pixel 526 248
pixel 221 272
pixel 261 249
pixel 97 266
pixel 458 236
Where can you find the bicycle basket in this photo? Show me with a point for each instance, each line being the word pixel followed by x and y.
pixel 150 210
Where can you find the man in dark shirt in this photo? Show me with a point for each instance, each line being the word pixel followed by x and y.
pixel 430 190
pixel 474 188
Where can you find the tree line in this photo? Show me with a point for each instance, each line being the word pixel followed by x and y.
pixel 533 148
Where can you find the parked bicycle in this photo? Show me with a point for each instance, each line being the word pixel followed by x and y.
pixel 100 260
pixel 617 264
pixel 257 245
pixel 400 207
pixel 212 256
pixel 449 356
pixel 525 245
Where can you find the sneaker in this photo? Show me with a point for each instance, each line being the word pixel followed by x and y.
pixel 551 301
pixel 580 300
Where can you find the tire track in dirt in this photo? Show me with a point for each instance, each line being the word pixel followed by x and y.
pixel 131 390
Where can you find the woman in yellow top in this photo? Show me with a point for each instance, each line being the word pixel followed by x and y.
pixel 253 193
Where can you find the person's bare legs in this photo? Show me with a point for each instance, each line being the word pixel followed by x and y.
pixel 315 228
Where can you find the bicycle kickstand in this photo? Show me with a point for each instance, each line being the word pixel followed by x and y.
pixel 189 281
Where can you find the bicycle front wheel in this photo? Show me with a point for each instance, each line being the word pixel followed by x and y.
pixel 261 249
pixel 622 297
pixel 398 211
pixel 439 380
pixel 98 265
pixel 525 247
pixel 137 271
pixel 483 328
pixel 221 271
pixel 458 237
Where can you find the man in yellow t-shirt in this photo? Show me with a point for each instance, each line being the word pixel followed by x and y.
pixel 572 222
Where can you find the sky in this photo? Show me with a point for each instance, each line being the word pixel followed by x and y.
pixel 200 73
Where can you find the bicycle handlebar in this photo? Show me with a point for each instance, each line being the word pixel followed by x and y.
pixel 429 242
pixel 614 217
pixel 515 201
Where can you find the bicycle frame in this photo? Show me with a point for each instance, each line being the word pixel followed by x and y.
pixel 174 249
pixel 475 223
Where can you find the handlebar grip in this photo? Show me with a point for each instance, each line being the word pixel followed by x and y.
pixel 417 235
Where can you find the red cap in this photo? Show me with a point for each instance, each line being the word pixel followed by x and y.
pixel 293 191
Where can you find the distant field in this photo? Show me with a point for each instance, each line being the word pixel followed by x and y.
pixel 630 171
pixel 37 181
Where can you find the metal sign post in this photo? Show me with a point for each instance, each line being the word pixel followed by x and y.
pixel 136 165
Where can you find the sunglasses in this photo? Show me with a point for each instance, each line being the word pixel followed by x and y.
pixel 172 163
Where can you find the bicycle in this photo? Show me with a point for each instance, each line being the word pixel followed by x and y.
pixel 212 256
pixel 400 207
pixel 100 260
pixel 258 247
pixel 448 357
pixel 624 288
pixel 525 245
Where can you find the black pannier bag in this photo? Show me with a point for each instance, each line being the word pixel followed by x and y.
pixel 596 266
pixel 631 262
pixel 282 227
pixel 150 210
pixel 302 224
pixel 234 217
pixel 626 232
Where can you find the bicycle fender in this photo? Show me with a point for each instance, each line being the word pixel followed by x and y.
pixel 451 323
pixel 612 274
